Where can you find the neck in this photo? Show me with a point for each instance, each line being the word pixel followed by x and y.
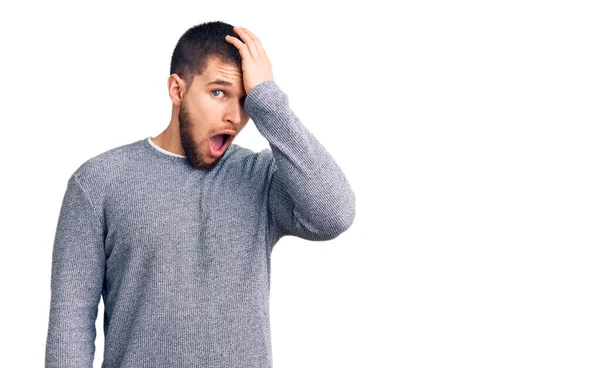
pixel 169 139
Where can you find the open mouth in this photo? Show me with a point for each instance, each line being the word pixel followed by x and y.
pixel 218 143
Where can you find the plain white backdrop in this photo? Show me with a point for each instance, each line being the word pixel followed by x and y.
pixel 469 131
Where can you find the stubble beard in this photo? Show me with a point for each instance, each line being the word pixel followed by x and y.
pixel 192 151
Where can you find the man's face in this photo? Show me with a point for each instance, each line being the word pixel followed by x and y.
pixel 208 109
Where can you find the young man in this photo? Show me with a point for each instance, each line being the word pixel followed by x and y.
pixel 175 232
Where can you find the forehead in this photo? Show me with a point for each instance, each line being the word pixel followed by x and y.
pixel 219 73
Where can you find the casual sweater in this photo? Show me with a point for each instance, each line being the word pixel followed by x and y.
pixel 180 255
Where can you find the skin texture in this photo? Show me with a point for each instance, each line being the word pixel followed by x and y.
pixel 200 111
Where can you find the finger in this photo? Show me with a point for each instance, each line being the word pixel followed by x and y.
pixel 247 40
pixel 259 46
pixel 252 35
pixel 242 48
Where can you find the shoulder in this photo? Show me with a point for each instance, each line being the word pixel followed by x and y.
pixel 254 166
pixel 251 159
pixel 108 165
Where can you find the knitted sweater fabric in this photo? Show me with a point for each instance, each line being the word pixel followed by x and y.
pixel 181 256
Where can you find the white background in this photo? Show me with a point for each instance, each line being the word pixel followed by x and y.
pixel 469 131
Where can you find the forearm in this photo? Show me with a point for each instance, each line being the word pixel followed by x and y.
pixel 320 195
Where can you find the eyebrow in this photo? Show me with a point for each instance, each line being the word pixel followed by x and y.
pixel 220 82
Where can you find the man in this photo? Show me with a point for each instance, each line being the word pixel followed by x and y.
pixel 176 232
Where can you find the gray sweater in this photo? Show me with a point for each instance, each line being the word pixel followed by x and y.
pixel 181 256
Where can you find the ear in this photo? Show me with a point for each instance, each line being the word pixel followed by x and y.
pixel 176 89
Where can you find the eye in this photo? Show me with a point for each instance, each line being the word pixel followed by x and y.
pixel 216 90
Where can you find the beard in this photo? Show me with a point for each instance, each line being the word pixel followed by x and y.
pixel 191 149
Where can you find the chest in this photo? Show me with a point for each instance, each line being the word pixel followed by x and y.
pixel 217 219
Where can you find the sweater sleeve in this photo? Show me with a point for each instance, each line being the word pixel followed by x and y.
pixel 309 195
pixel 78 268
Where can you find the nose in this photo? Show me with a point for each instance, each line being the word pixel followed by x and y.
pixel 235 112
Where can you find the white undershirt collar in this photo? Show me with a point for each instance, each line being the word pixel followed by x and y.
pixel 162 149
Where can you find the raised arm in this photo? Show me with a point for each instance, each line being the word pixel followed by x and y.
pixel 309 195
pixel 78 267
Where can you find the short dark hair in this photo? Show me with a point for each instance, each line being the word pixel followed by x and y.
pixel 199 44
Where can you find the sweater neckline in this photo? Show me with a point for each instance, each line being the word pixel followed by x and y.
pixel 160 149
